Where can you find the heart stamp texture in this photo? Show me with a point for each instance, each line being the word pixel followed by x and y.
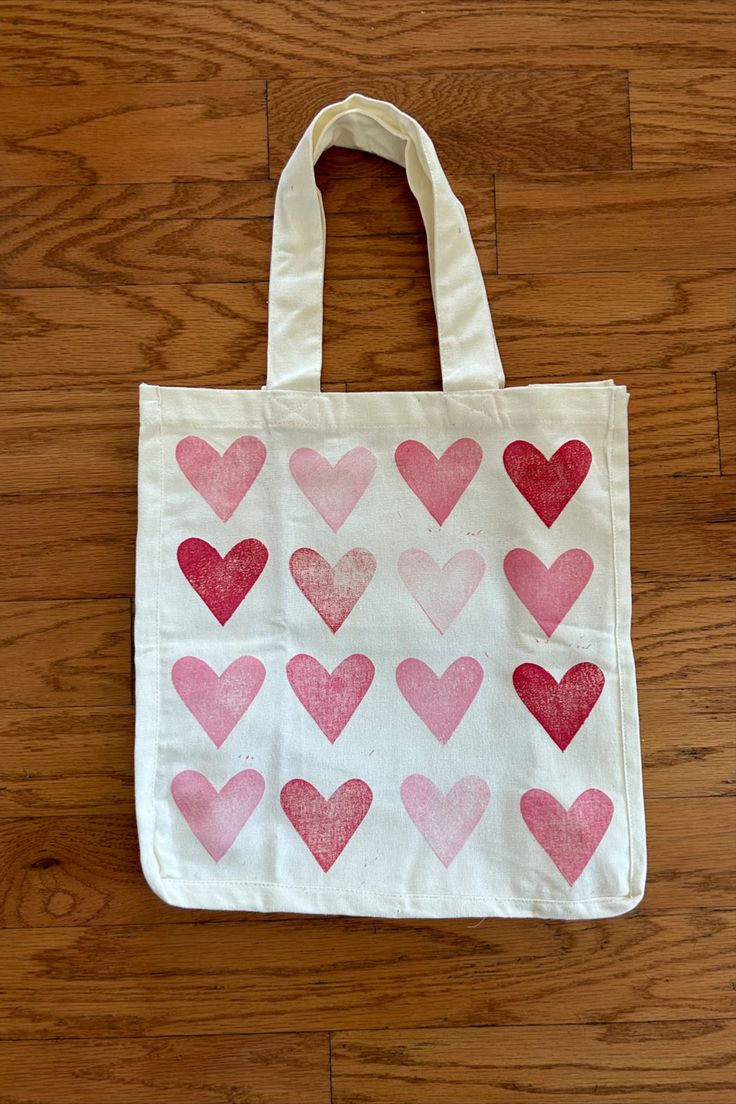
pixel 222 582
pixel 440 700
pixel 330 699
pixel 326 824
pixel 442 592
pixel 547 485
pixel 445 820
pixel 217 817
pixel 218 701
pixel 549 593
pixel 223 481
pixel 333 591
pixel 560 707
pixel 569 836
pixel 439 483
pixel 333 490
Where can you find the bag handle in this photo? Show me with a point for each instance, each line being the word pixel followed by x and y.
pixel 468 352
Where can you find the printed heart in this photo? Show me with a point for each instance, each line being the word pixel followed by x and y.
pixel 223 481
pixel 218 701
pixel 326 825
pixel 445 820
pixel 330 699
pixel 549 593
pixel 222 582
pixel 441 592
pixel 333 591
pixel 569 836
pixel 439 483
pixel 547 485
pixel 440 700
pixel 333 490
pixel 217 818
pixel 560 707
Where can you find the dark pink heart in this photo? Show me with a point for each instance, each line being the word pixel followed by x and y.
pixel 440 700
pixel 326 824
pixel 569 836
pixel 222 582
pixel 218 702
pixel 333 591
pixel 560 707
pixel 223 481
pixel 330 699
pixel 439 483
pixel 547 485
pixel 217 818
pixel 549 593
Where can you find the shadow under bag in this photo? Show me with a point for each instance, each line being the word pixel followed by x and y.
pixel 383 648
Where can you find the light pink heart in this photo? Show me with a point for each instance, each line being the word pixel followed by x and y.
pixel 569 836
pixel 440 701
pixel 441 592
pixel 439 483
pixel 217 818
pixel 445 820
pixel 326 824
pixel 223 481
pixel 330 699
pixel 333 490
pixel 333 591
pixel 549 593
pixel 218 701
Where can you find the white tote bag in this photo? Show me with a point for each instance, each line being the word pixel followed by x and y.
pixel 383 639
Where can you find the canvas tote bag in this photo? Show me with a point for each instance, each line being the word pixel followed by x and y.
pixel 383 639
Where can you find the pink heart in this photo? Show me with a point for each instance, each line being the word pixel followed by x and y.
pixel 218 702
pixel 222 582
pixel 335 490
pixel 223 481
pixel 569 836
pixel 441 592
pixel 330 699
pixel 560 707
pixel 445 821
pixel 439 483
pixel 326 825
pixel 217 818
pixel 547 485
pixel 440 701
pixel 549 593
pixel 333 591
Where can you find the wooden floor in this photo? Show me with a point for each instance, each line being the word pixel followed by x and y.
pixel 593 144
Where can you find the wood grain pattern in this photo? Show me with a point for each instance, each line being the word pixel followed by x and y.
pixel 726 391
pixel 511 120
pixel 691 1062
pixel 205 978
pixel 219 1069
pixel 685 633
pixel 683 117
pixel 115 135
pixel 648 219
pixel 68 41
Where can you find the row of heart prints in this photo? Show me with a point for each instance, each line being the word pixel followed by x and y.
pixel 326 823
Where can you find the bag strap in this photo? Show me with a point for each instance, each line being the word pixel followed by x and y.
pixel 468 352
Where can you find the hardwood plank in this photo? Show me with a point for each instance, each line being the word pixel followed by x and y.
pixel 125 134
pixel 726 390
pixel 65 652
pixel 690 1061
pixel 685 633
pixel 84 870
pixel 79 761
pixel 683 117
pixel 213 1069
pixel 268 973
pixel 379 334
pixel 648 219
pixel 510 120
pixel 60 41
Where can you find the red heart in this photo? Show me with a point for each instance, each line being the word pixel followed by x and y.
pixel 326 824
pixel 560 707
pixel 222 582
pixel 333 591
pixel 547 485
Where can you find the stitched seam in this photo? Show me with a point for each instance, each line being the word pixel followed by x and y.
pixel 159 546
